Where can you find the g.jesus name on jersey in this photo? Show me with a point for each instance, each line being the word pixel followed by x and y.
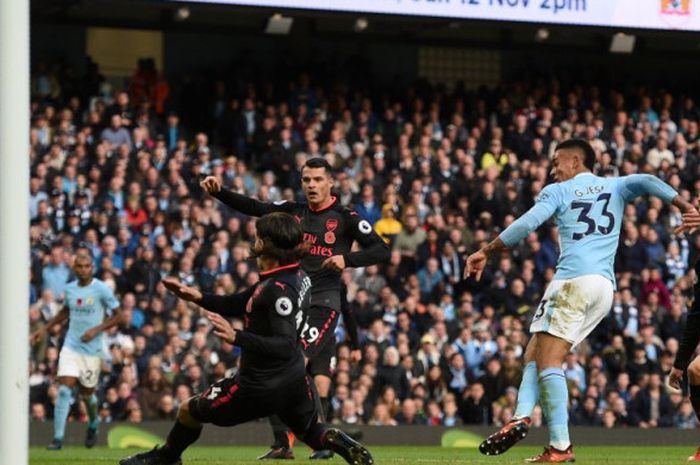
pixel 588 210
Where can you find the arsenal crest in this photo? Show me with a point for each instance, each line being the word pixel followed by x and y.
pixel 331 224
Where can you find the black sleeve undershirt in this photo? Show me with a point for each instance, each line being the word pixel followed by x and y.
pixel 249 206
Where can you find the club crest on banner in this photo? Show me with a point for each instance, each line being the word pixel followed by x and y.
pixel 675 13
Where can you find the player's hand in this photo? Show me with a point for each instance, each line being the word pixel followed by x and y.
pixel 355 356
pixel 691 222
pixel 89 335
pixel 187 293
pixel 210 184
pixel 37 336
pixel 475 265
pixel 674 378
pixel 222 327
pixel 335 263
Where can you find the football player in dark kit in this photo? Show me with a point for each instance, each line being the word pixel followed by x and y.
pixel 330 229
pixel 686 350
pixel 272 378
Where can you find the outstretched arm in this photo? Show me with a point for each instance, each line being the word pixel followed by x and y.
pixel 545 207
pixel 227 305
pixel 242 203
pixel 635 185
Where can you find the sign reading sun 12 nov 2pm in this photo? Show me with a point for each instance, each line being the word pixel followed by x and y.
pixel 643 14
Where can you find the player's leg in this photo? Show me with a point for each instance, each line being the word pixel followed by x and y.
pixel 88 396
pixel 66 384
pixel 528 393
pixel 323 387
pixel 69 369
pixel 281 448
pixel 283 438
pixel 575 308
pixel 320 351
pixel 321 367
pixel 183 434
pixel 225 403
pixel 694 381
pixel 554 392
pixel 300 412
pixel 89 375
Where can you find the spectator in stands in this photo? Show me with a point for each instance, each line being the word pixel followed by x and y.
pixel 587 414
pixel 651 407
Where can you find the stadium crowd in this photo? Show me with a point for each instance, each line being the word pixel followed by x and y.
pixel 436 173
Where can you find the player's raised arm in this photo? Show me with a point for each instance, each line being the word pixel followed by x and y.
pixel 546 205
pixel 242 203
pixel 635 185
pixel 226 305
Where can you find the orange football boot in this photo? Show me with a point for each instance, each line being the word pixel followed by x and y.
pixel 552 455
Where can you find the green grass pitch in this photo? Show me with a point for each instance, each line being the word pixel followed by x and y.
pixel 382 455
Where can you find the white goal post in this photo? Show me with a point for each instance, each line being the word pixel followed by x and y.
pixel 14 231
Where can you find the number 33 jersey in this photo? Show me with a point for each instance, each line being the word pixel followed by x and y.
pixel 589 211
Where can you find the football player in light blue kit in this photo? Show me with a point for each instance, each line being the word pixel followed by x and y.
pixel 588 210
pixel 87 302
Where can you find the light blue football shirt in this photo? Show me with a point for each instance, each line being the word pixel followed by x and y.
pixel 87 306
pixel 588 210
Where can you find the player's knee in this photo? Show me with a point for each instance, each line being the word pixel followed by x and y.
pixel 65 391
pixel 86 392
pixel 184 410
pixel 551 351
pixel 531 349
pixel 323 385
pixel 694 372
pixel 68 381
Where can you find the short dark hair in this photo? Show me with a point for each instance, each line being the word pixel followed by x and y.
pixel 319 162
pixel 282 237
pixel 83 253
pixel 589 157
